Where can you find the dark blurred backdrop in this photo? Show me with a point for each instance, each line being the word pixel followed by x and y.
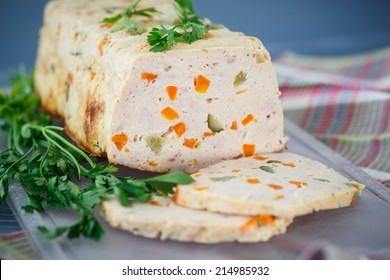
pixel 329 27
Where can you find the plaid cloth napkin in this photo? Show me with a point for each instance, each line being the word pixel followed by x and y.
pixel 342 101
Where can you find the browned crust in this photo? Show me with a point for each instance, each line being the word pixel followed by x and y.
pixel 92 115
pixel 82 145
pixel 51 111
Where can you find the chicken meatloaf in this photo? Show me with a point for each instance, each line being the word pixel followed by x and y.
pixel 181 109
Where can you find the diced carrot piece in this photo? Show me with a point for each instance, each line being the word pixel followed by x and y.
pixel 194 162
pixel 264 219
pixel 278 197
pixel 101 46
pixel 249 149
pixel 153 164
pixel 69 78
pixel 233 126
pixel 172 92
pixel 289 164
pixel 252 222
pixel 236 171
pixel 92 75
pixel 106 25
pixel 190 142
pixel 127 151
pixel 247 119
pixel 155 203
pixel 150 77
pixel 179 129
pixel 201 84
pixel 169 114
pixel 267 219
pixel 208 35
pixel 143 46
pixel 119 140
pixel 298 184
pixel 253 181
pixel 209 134
pixel 259 158
pixel 241 91
pixel 201 189
pixel 275 187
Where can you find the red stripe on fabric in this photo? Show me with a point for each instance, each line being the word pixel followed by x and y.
pixel 349 116
pixel 346 121
pixel 329 110
pixel 366 67
pixel 306 115
pixel 372 155
pixel 293 92
pixel 11 236
pixel 385 117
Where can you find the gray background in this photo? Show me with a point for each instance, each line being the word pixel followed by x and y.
pixel 306 26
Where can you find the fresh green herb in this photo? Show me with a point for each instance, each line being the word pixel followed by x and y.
pixel 189 30
pixel 123 20
pixel 222 179
pixel 186 12
pixel 50 168
pixel 267 169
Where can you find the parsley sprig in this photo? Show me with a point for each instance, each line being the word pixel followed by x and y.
pixel 49 167
pixel 123 20
pixel 190 29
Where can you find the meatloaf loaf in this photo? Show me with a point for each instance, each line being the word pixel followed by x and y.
pixel 181 109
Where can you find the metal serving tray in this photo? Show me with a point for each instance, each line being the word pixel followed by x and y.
pixel 362 230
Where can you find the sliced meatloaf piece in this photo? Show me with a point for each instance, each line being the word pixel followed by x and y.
pixel 165 220
pixel 282 184
pixel 182 109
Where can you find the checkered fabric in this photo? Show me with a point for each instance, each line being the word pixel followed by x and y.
pixel 344 102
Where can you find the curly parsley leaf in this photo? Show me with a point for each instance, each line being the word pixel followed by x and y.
pixel 186 12
pixel 123 20
pixel 190 29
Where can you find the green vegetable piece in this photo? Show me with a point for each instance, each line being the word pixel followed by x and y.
pixel 260 58
pixel 359 187
pixel 155 143
pixel 321 180
pixel 222 179
pixel 267 169
pixel 274 161
pixel 239 79
pixel 213 124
